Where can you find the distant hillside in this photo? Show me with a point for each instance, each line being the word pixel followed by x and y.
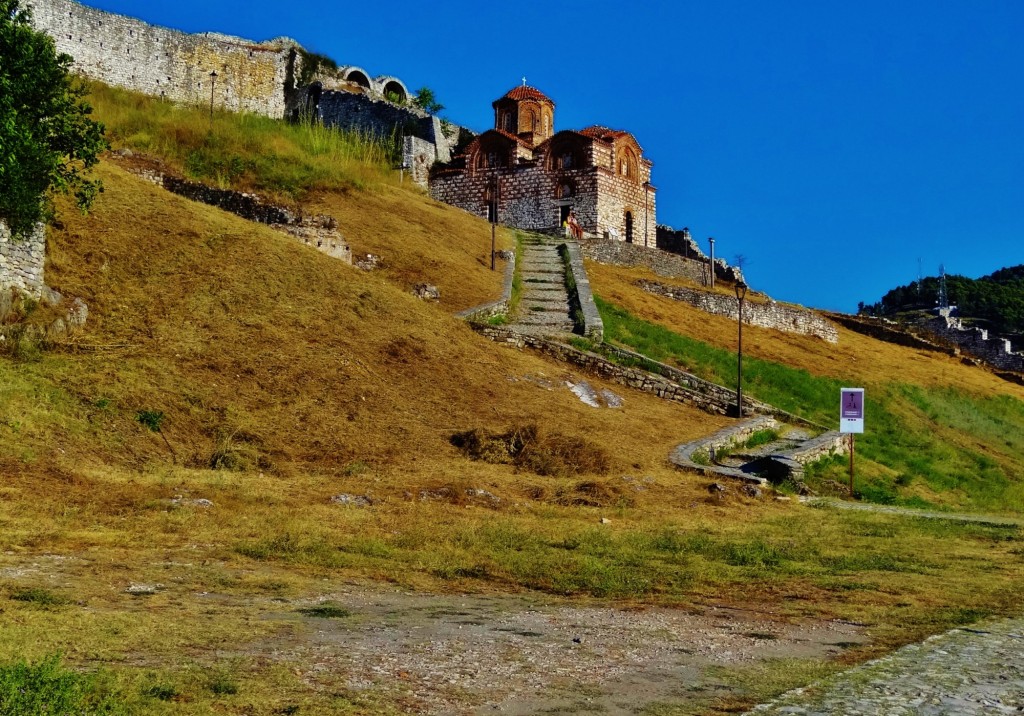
pixel 998 298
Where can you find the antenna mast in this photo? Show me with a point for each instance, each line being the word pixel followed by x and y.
pixel 943 295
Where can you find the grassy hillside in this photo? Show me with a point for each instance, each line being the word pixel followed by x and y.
pixel 279 378
pixel 939 432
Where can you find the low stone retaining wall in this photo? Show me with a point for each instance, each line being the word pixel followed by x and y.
pixel 22 261
pixel 593 326
pixel 789 319
pixel 710 398
pixel 663 263
pixel 830 443
pixel 699 455
pixel 494 308
pixel 317 231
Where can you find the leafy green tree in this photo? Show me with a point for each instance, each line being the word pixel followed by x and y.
pixel 48 143
pixel 426 100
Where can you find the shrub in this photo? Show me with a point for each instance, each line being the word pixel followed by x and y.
pixel 527 448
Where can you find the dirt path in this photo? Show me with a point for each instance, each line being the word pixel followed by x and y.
pixel 524 655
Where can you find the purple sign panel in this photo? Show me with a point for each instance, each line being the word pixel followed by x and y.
pixel 853 404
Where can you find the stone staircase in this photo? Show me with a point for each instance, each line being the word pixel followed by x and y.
pixel 544 307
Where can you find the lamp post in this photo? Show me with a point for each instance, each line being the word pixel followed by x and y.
pixel 741 293
pixel 213 84
pixel 494 188
pixel 711 265
pixel 647 207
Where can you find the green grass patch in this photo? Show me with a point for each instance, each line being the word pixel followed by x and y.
pixel 46 687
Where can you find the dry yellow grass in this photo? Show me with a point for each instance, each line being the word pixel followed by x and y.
pixel 241 336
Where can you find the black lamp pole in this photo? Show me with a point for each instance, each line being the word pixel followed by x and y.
pixel 213 84
pixel 494 215
pixel 741 293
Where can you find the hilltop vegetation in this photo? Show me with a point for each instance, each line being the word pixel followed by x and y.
pixel 313 407
pixel 997 298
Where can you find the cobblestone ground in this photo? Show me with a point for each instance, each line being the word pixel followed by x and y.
pixel 964 672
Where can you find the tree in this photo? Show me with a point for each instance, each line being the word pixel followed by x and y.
pixel 426 100
pixel 48 143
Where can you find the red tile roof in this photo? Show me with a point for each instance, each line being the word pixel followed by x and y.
pixel 598 132
pixel 525 92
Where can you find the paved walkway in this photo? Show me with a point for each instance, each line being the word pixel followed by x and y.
pixel 909 512
pixel 544 306
pixel 964 672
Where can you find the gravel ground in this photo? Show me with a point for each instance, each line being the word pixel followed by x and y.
pixel 964 672
pixel 519 655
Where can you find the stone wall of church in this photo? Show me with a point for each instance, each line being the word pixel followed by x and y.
pixel 161 62
pixel 22 260
pixel 616 196
pixel 527 195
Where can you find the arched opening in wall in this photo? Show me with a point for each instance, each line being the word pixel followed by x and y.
pixel 629 227
pixel 628 165
pixel 395 92
pixel 506 122
pixel 311 110
pixel 357 77
pixel 491 158
pixel 533 122
pixel 565 190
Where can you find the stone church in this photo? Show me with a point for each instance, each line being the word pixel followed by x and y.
pixel 529 176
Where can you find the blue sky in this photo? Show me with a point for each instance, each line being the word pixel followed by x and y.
pixel 833 145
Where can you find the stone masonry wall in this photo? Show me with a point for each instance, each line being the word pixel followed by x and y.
pixel 660 262
pixel 527 195
pixel 617 195
pixel 975 341
pixel 161 62
pixel 317 231
pixel 22 261
pixel 789 319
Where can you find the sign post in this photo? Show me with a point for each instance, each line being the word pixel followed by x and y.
pixel 851 419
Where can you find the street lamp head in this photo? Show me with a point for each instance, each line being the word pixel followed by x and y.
pixel 741 290
pixel 213 74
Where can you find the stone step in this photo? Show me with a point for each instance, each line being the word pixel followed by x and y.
pixel 539 267
pixel 549 306
pixel 543 278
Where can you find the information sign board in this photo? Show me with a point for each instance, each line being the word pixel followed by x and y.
pixel 851 410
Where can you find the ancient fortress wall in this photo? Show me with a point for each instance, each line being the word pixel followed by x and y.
pixel 21 261
pixel 161 62
pixel 976 342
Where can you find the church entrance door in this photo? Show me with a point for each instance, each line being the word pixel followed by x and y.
pixel 629 227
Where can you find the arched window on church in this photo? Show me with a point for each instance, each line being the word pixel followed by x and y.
pixel 534 123
pixel 565 191
pixel 507 122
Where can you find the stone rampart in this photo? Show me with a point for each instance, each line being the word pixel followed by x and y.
pixel 22 261
pixel 976 342
pixel 789 319
pixel 888 331
pixel 126 52
pixel 257 77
